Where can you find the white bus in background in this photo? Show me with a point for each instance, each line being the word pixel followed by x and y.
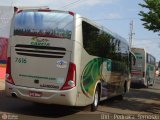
pixel 59 57
pixel 143 72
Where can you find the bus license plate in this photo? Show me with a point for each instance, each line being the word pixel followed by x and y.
pixel 35 94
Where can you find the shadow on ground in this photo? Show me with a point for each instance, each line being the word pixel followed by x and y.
pixel 137 100
pixel 17 106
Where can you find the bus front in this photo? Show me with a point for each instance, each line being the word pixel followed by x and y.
pixel 40 67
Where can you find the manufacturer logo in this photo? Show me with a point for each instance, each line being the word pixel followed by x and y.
pixel 49 86
pixel 61 64
pixel 40 41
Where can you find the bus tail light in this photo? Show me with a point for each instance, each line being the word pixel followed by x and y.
pixel 8 72
pixel 71 13
pixel 71 78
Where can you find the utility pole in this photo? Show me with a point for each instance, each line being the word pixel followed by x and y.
pixel 131 34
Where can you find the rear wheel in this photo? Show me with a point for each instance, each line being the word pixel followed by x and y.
pixel 152 83
pixel 126 89
pixel 95 103
pixel 147 83
pixel 119 97
pixel 128 84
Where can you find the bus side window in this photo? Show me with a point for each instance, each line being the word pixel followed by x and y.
pixel 132 58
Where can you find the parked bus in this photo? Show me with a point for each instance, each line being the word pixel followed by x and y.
pixel 143 72
pixel 59 57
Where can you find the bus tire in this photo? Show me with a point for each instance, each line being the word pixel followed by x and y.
pixel 126 89
pixel 95 103
pixel 120 97
pixel 128 86
pixel 147 84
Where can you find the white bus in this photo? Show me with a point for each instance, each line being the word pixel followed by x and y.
pixel 143 71
pixel 59 57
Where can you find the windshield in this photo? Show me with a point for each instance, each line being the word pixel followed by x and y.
pixel 139 65
pixel 44 24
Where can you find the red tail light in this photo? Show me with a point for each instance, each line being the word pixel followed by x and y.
pixel 71 78
pixel 8 72
pixel 71 13
pixel 44 10
pixel 19 11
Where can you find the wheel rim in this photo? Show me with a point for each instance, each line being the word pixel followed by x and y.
pixel 96 99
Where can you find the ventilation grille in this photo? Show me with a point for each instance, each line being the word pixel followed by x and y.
pixel 40 51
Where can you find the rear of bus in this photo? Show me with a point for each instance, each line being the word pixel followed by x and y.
pixel 138 69
pixel 40 66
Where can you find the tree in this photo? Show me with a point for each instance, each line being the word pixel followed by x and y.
pixel 151 17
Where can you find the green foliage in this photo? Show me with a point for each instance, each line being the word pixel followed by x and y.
pixel 151 17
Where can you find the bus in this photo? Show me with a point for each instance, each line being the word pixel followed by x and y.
pixel 143 72
pixel 60 57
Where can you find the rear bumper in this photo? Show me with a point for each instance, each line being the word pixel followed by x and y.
pixel 138 81
pixel 66 97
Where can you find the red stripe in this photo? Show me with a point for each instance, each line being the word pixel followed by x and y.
pixel 136 73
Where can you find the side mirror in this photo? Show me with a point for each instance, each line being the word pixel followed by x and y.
pixel 134 60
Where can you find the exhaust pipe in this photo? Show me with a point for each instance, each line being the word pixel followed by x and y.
pixel 14 95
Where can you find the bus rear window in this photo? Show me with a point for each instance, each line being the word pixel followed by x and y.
pixel 44 24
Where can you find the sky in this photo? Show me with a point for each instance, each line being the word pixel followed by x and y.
pixel 115 15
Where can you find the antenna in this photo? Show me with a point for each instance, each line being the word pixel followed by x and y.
pixel 131 35
pixel 12 3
